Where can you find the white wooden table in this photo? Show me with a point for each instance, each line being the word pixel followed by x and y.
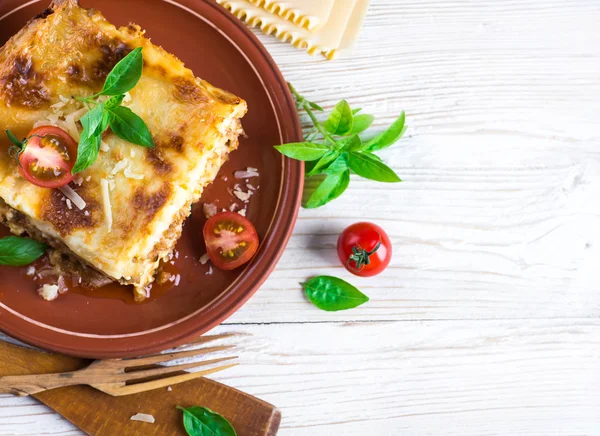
pixel 486 322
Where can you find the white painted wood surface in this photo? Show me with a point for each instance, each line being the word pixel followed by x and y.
pixel 487 322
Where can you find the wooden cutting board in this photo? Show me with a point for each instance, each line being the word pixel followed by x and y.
pixel 99 414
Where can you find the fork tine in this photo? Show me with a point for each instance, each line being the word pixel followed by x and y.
pixel 153 372
pixel 160 358
pixel 209 338
pixel 160 383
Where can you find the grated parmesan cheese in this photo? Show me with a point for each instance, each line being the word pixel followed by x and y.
pixel 249 172
pixel 69 204
pixel 72 127
pixel 232 207
pixel 131 175
pixel 106 204
pixel 143 417
pixel 80 113
pixel 242 212
pixel 121 165
pixel 209 210
pixel 48 292
pixel 104 146
pixel 30 270
pixel 73 196
pixel 244 196
pixel 209 272
pixel 204 258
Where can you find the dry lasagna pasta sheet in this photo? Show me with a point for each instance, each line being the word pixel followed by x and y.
pixel 337 35
pixel 309 14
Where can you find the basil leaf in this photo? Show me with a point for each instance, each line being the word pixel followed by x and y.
pixel 92 122
pixel 129 126
pixel 125 75
pixel 333 294
pixel 87 152
pixel 201 421
pixel 362 122
pixel 114 101
pixel 352 143
pixel 373 155
pixel 330 188
pixel 340 121
pixel 16 251
pixel 322 163
pixel 339 165
pixel 306 151
pixel 387 138
pixel 366 166
pixel 355 111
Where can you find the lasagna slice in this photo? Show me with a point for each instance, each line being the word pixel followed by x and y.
pixel 135 199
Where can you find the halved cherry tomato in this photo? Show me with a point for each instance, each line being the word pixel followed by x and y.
pixel 364 249
pixel 47 157
pixel 231 240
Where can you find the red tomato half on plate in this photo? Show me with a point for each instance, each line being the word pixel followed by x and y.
pixel 231 240
pixel 47 157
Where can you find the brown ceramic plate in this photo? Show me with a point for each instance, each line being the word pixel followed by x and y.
pixel 220 49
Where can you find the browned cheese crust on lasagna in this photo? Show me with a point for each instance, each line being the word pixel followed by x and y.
pixel 136 198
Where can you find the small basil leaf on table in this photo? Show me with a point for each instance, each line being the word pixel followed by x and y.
pixel 305 151
pixel 201 421
pixel 388 137
pixel 370 168
pixel 129 126
pixel 323 163
pixel 362 122
pixel 16 251
pixel 333 294
pixel 341 120
pixel 330 188
pixel 125 75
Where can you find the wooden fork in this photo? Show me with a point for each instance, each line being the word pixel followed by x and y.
pixel 124 376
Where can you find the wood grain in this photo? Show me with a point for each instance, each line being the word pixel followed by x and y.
pixel 509 377
pixel 488 317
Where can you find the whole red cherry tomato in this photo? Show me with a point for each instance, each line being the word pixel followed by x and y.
pixel 364 249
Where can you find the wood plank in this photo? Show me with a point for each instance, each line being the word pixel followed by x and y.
pixel 497 218
pixel 446 377
pixel 501 164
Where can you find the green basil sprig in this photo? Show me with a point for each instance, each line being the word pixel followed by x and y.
pixel 333 294
pixel 201 421
pixel 123 121
pixel 335 149
pixel 16 251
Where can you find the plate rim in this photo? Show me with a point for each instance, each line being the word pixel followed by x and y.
pixel 282 225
